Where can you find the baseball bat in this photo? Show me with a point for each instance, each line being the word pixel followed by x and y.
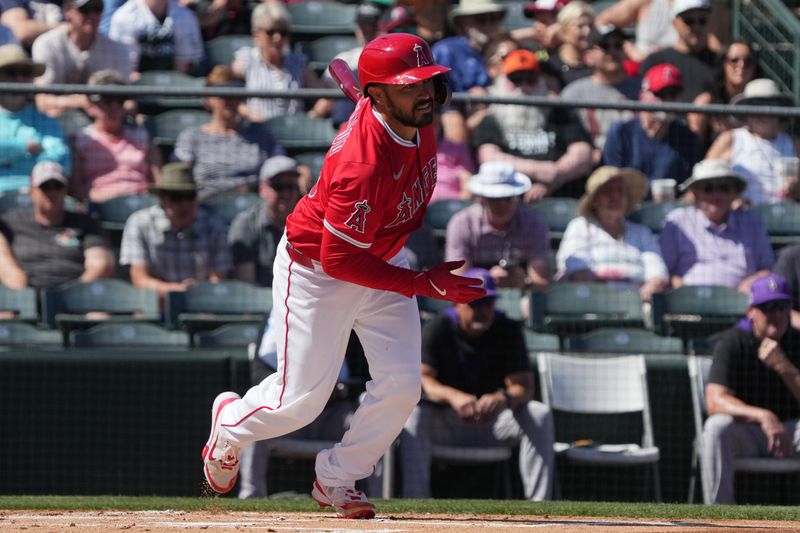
pixel 348 84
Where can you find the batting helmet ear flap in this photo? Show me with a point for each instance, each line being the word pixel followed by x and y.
pixel 441 90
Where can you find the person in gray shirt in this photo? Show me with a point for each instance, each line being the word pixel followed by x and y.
pixel 254 234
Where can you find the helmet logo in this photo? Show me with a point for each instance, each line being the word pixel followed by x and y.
pixel 422 59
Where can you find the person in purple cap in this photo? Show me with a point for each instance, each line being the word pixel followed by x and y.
pixel 477 387
pixel 753 391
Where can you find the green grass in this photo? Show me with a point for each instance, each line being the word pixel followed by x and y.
pixel 476 507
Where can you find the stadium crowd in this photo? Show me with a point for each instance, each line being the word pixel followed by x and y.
pixel 498 160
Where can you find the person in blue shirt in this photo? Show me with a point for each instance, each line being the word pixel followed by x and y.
pixel 26 135
pixel 475 24
pixel 655 142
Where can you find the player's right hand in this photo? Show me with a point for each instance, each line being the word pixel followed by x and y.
pixel 439 282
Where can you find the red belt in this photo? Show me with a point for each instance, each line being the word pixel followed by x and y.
pixel 298 257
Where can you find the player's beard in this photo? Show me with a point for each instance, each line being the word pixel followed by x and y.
pixel 413 119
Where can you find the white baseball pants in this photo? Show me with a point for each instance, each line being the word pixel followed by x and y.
pixel 313 315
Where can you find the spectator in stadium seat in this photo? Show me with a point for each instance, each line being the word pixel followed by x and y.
pixel 50 246
pixel 752 396
pixel 74 51
pixel 601 245
pixel 28 19
pixel 788 267
pixel 113 155
pixel 454 167
pixel 499 234
pixel 254 234
pixel 173 245
pixel 475 24
pixel 754 149
pixel 568 63
pixel 547 144
pixel 26 135
pixel 653 25
pixel 221 17
pixel 270 66
pixel 159 34
pixel 488 402
pixel 710 243
pixel 690 53
pixel 608 83
pixel 228 151
pixel 737 66
pixel 544 31
pixel 654 142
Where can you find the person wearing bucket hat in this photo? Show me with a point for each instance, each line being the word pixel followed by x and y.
pixel 490 396
pixel 228 151
pixel 498 233
pixel 757 149
pixel 254 233
pixel 600 244
pixel 28 136
pixel 654 142
pixel 174 244
pixel 690 53
pixel 547 144
pixel 74 51
pixel 50 246
pixel 752 395
pixel 710 243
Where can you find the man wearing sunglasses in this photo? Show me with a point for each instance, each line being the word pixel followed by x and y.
pixel 254 234
pixel 49 245
pixel 710 243
pixel 690 53
pixel 753 391
pixel 74 51
pixel 608 83
pixel 478 390
pixel 655 143
pixel 174 244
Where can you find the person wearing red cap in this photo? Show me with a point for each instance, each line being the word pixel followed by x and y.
pixel 547 144
pixel 654 142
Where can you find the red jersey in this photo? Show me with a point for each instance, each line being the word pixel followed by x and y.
pixel 373 190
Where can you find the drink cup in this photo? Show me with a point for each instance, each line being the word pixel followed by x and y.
pixel 663 190
pixel 787 169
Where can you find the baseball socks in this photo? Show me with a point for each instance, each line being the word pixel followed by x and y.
pixel 220 457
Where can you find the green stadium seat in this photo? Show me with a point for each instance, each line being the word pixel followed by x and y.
pixel 509 301
pixel 557 213
pixel 624 340
pixel 782 222
pixel 697 310
pixel 314 161
pixel 206 306
pixel 321 51
pixel 226 206
pixel 151 105
pixel 652 214
pixel 19 302
pixel 541 342
pixel 221 50
pixel 440 212
pixel 14 200
pixel 300 133
pixel 72 121
pixel 321 18
pixel 128 335
pixel 113 213
pixel 572 308
pixel 228 336
pixel 67 307
pixel 515 17
pixel 165 127
pixel 21 334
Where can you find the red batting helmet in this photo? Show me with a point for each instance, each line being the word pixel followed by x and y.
pixel 399 59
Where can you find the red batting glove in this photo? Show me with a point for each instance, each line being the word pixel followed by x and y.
pixel 439 282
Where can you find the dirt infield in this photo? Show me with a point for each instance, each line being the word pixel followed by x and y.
pixel 225 522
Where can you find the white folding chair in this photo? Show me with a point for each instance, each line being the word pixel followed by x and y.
pixel 601 386
pixel 699 368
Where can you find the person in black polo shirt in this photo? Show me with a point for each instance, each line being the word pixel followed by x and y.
pixel 477 389
pixel 753 391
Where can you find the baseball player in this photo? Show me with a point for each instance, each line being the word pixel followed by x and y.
pixel 340 266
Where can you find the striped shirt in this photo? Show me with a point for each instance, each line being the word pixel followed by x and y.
pixel 261 76
pixel 175 255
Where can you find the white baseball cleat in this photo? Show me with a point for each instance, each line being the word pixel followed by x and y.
pixel 220 457
pixel 348 502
